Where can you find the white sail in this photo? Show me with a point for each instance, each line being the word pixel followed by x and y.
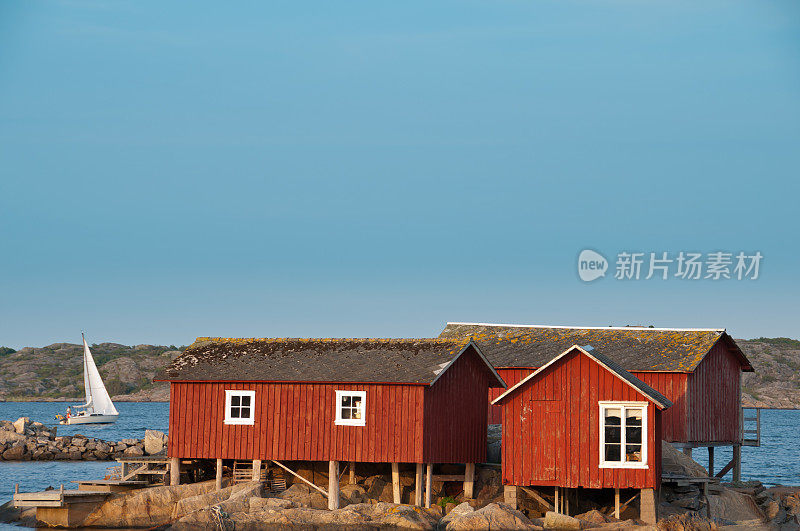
pixel 97 398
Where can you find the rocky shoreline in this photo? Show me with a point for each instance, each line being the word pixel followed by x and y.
pixel 23 440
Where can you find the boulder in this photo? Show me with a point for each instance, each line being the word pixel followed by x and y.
pixel 133 451
pixel 21 424
pixel 462 509
pixel 15 453
pixel 731 505
pixel 154 441
pixel 130 442
pixel 260 504
pixel 554 520
pixel 353 494
pixel 402 516
pixel 10 437
pixel 674 461
pixel 594 517
pixel 75 454
pixel 150 507
pixel 493 516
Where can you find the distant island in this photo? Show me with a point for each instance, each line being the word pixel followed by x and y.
pixel 55 372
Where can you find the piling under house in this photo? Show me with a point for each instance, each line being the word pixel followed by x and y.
pixel 419 401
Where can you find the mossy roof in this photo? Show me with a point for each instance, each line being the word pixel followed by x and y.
pixel 407 361
pixel 634 348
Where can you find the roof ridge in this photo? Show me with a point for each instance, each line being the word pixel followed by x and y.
pixel 329 339
pixel 568 327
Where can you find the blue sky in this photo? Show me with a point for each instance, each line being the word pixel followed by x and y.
pixel 368 168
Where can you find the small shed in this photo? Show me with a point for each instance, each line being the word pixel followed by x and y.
pixel 392 401
pixel 582 421
pixel 698 369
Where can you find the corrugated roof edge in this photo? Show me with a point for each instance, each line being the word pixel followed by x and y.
pixel 569 327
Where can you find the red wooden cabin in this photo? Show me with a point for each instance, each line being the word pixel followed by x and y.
pixel 581 420
pixel 355 400
pixel 699 370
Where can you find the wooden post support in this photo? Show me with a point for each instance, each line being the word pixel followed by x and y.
pixel 333 485
pixel 737 463
pixel 687 451
pixel 396 482
pixel 648 508
pixel 256 469
pixel 558 506
pixel 418 485
pixel 351 469
pixel 616 504
pixel 219 474
pixel 174 471
pixel 510 496
pixel 566 501
pixel 428 484
pixel 711 461
pixel 469 481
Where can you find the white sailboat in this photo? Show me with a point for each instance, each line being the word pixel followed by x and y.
pixel 98 409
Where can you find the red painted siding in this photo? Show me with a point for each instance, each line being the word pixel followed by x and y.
pixel 673 385
pixel 296 422
pixel 442 423
pixel 511 376
pixel 551 429
pixel 715 397
pixel 455 415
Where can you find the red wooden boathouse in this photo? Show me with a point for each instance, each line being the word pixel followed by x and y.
pixel 581 420
pixel 355 400
pixel 699 370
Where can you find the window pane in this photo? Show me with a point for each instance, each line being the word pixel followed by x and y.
pixel 234 412
pixel 235 400
pixel 613 452
pixel 346 401
pixel 357 413
pixel 633 435
pixel 245 412
pixel 612 417
pixel 633 417
pixel 633 452
pixel 346 413
pixel 246 400
pixel 613 434
pixel 356 401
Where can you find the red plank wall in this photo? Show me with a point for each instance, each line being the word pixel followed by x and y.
pixel 455 414
pixel 715 397
pixel 673 385
pixel 296 422
pixel 551 430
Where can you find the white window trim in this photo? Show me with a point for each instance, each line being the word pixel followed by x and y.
pixel 622 406
pixel 351 422
pixel 240 421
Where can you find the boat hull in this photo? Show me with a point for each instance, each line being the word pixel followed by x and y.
pixel 91 419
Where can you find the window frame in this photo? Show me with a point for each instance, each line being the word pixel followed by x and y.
pixel 229 393
pixel 622 406
pixel 339 421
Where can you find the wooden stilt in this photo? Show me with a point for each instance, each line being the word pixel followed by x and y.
pixel 711 461
pixel 219 474
pixel 737 463
pixel 174 471
pixel 333 485
pixel 469 481
pixel 396 482
pixel 616 504
pixel 428 484
pixel 351 469
pixel 257 470
pixel 418 485
pixel 648 508
pixel 557 504
pixel 566 501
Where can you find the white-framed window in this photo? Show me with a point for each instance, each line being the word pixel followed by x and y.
pixel 240 406
pixel 351 407
pixel 623 434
